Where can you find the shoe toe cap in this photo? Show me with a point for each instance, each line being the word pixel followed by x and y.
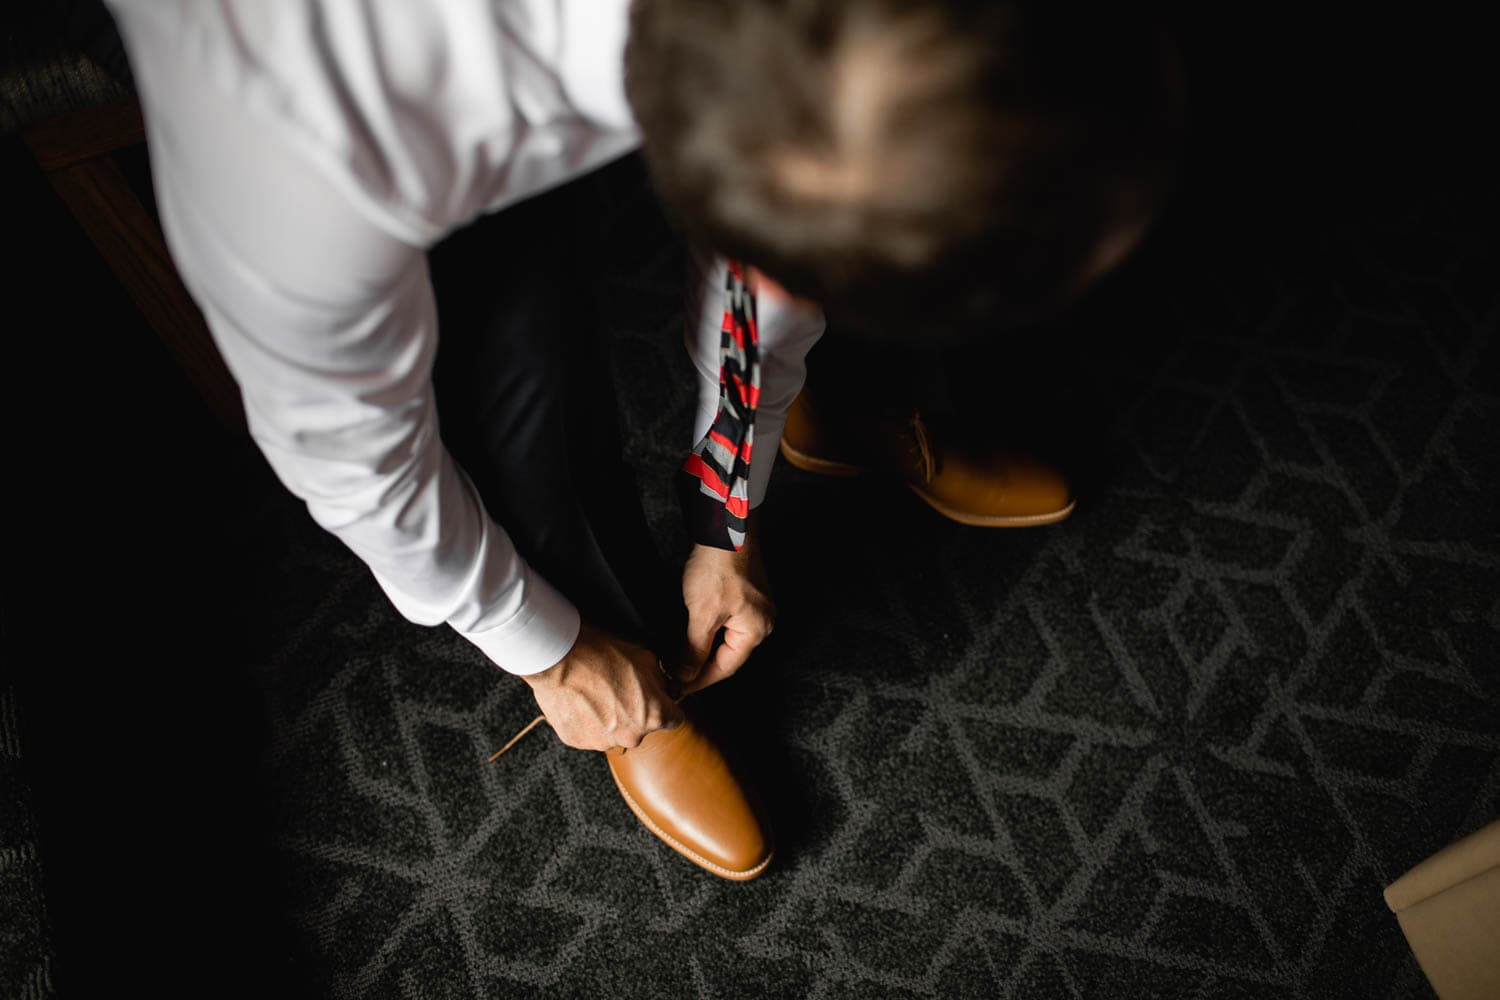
pixel 680 787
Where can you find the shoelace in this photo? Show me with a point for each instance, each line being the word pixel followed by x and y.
pixel 543 718
pixel 529 727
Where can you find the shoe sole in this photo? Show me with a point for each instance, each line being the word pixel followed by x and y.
pixel 741 875
pixel 844 470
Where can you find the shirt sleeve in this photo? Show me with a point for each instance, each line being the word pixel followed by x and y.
pixel 328 324
pixel 787 332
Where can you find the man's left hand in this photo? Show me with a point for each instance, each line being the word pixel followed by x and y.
pixel 724 590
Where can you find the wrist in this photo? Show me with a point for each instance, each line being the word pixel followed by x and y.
pixel 553 676
pixel 544 678
pixel 746 549
pixel 745 564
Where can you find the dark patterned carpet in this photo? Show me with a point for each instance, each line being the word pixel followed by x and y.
pixel 1172 747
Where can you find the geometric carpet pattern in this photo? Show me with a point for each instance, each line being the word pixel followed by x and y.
pixel 1174 746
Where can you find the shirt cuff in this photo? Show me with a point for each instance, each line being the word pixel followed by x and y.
pixel 540 634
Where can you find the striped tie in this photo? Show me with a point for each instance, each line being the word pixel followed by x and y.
pixel 714 481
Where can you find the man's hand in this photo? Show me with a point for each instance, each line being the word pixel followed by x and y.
pixel 724 590
pixel 606 692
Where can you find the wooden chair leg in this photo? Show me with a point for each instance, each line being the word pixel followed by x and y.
pixel 75 153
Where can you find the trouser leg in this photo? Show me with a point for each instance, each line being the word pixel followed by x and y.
pixel 527 406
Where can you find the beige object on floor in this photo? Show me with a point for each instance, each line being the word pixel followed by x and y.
pixel 1449 909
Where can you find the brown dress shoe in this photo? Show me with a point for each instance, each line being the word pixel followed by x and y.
pixel 679 785
pixel 986 487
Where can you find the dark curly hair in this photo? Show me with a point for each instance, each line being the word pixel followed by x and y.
pixel 905 164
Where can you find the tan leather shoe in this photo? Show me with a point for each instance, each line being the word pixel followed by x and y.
pixel 986 487
pixel 679 785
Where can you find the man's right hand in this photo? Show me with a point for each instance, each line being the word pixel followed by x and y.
pixel 606 692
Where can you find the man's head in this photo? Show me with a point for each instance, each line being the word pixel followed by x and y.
pixel 908 165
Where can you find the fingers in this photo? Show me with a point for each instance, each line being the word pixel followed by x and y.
pixel 661 713
pixel 660 709
pixel 672 715
pixel 742 630
pixel 740 640
pixel 702 628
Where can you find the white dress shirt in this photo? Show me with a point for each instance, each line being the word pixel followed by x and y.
pixel 305 154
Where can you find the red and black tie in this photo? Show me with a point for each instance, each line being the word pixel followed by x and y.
pixel 714 481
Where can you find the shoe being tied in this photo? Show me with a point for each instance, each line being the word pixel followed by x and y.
pixel 678 783
pixel 983 486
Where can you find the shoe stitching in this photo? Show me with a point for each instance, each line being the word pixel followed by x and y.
pixel 678 845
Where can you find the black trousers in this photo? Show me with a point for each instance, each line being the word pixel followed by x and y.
pixel 527 405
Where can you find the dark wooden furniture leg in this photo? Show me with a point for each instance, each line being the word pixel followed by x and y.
pixel 74 151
